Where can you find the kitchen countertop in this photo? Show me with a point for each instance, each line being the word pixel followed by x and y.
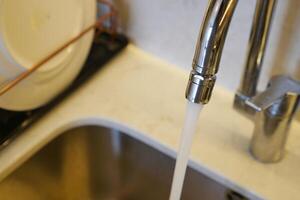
pixel 144 96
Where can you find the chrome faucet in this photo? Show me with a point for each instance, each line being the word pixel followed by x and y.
pixel 272 110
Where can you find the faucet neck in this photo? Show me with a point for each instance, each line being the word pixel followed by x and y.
pixel 212 37
pixel 261 26
pixel 209 50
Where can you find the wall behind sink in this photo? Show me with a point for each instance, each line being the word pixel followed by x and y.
pixel 169 29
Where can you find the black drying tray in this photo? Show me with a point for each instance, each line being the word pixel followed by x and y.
pixel 104 48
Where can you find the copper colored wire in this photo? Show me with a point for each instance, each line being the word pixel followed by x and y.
pixel 113 18
pixel 97 25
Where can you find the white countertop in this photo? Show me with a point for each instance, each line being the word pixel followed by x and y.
pixel 144 96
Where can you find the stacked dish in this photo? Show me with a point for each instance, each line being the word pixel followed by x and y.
pixel 29 31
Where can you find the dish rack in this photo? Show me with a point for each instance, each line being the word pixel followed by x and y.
pixel 104 48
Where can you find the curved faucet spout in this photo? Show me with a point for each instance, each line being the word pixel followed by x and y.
pixel 209 50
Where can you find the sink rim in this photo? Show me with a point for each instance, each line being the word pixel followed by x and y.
pixel 33 148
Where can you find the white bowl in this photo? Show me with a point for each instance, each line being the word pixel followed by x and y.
pixel 31 30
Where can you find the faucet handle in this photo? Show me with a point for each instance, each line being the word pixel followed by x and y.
pixel 274 110
pixel 281 97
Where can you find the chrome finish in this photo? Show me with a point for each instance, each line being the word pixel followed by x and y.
pixel 199 89
pixel 209 50
pixel 256 50
pixel 98 163
pixel 257 44
pixel 272 110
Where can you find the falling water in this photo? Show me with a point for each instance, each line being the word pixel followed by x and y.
pixel 192 113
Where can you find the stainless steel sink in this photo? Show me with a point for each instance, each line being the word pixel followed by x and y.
pixel 98 163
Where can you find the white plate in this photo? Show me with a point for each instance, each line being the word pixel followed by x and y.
pixel 30 30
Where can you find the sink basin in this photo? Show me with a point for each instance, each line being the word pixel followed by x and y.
pixel 98 163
